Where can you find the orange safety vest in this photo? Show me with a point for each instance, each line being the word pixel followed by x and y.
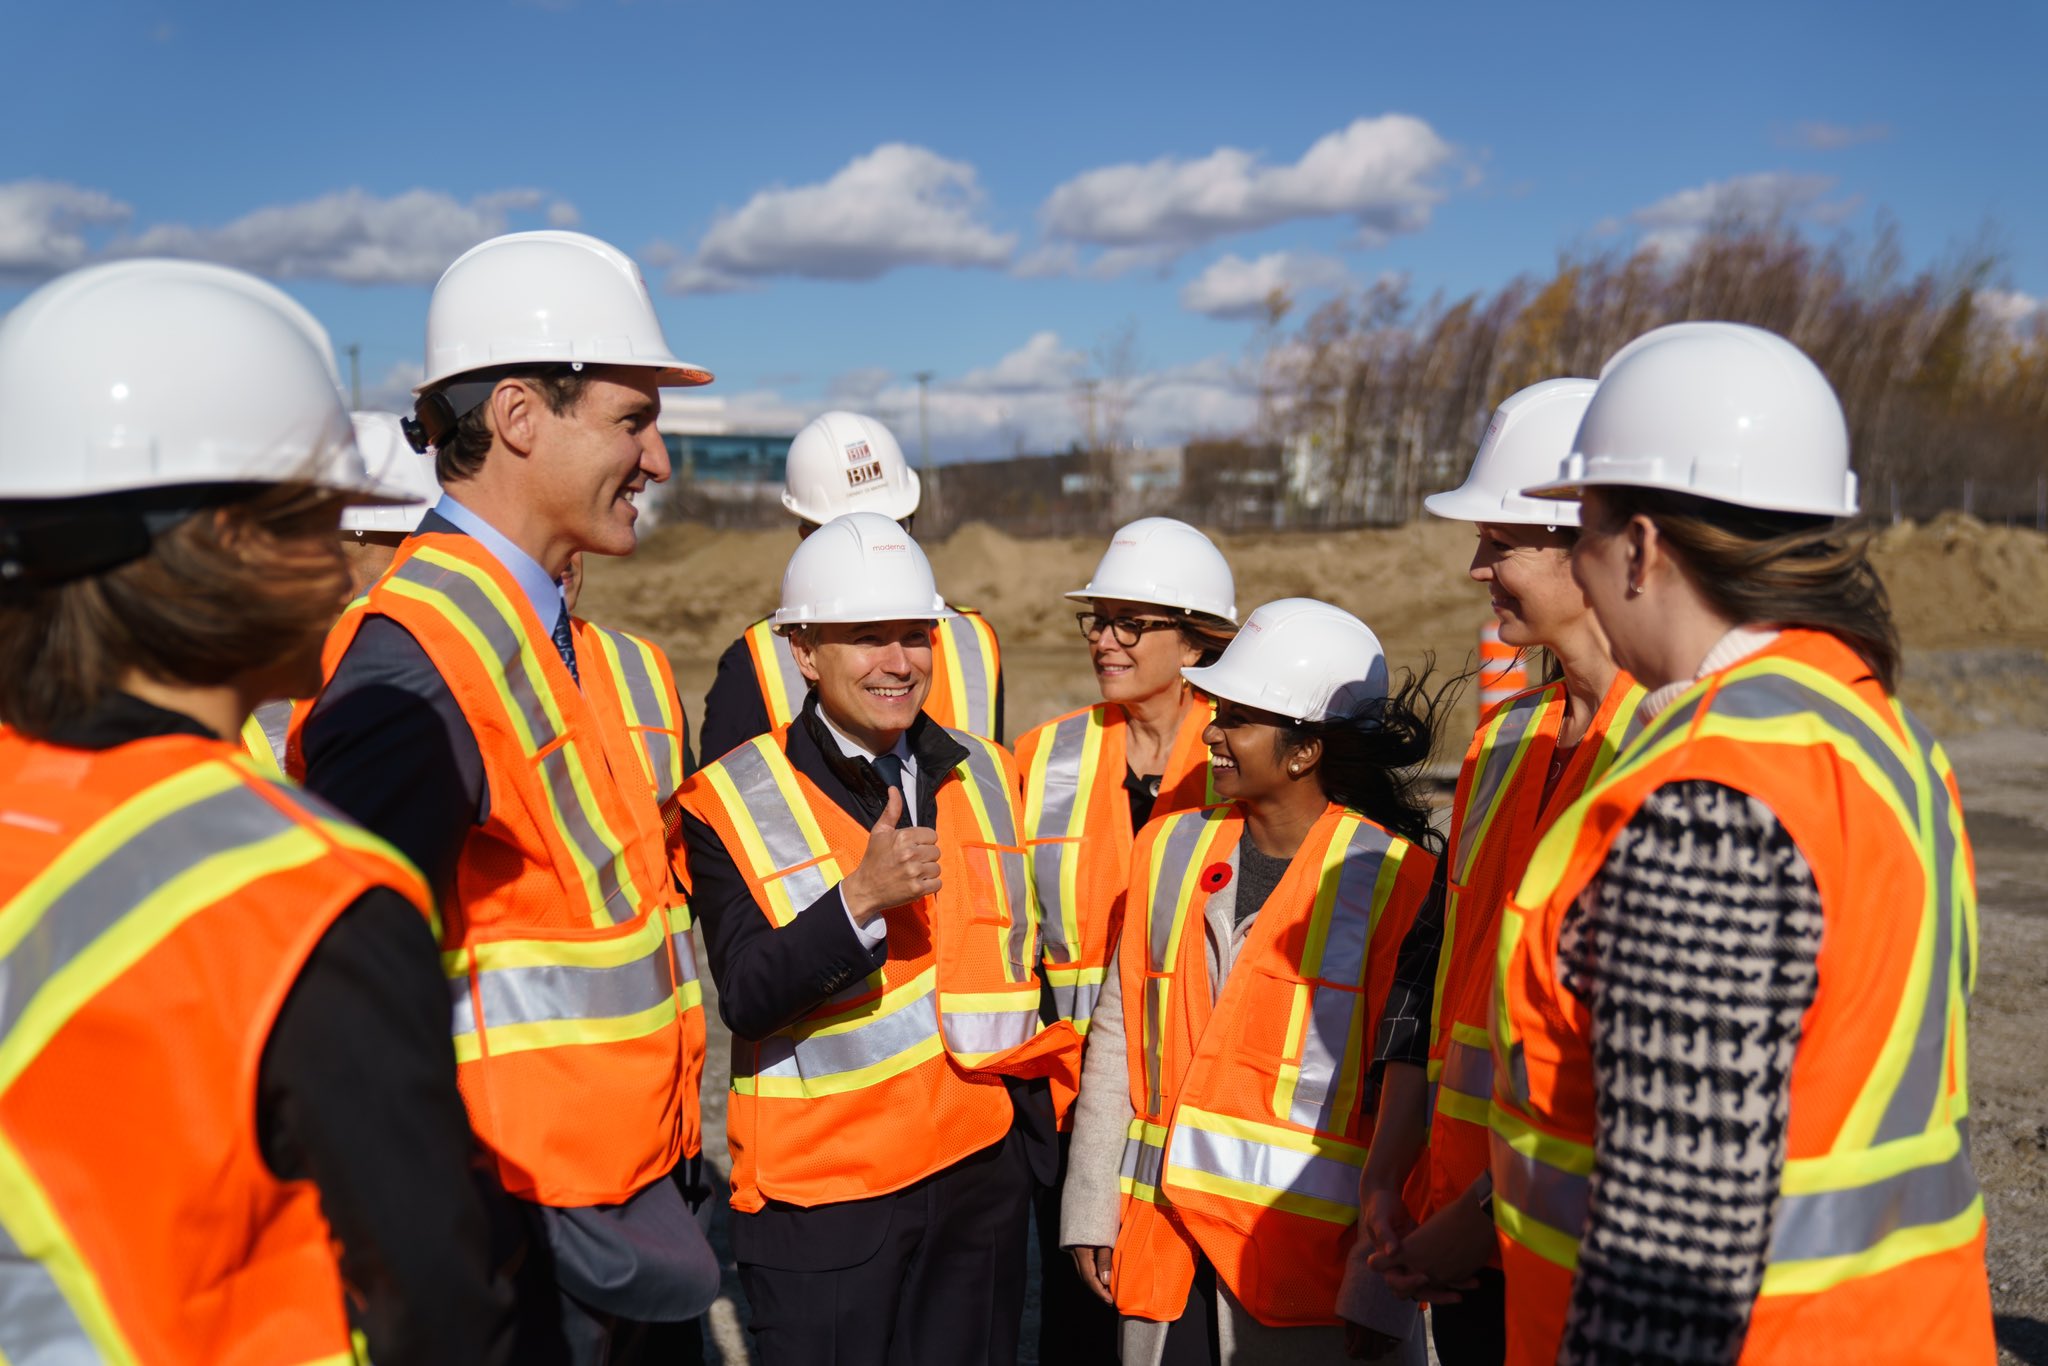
pixel 1496 819
pixel 898 1075
pixel 966 669
pixel 1251 1127
pixel 1877 1247
pixel 263 736
pixel 567 949
pixel 1077 826
pixel 157 901
pixel 633 691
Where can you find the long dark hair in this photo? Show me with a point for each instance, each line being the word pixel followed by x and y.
pixel 1372 761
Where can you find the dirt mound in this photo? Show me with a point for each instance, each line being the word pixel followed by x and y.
pixel 1955 584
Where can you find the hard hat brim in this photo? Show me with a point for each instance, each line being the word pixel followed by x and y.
pixel 1576 490
pixel 1468 505
pixel 673 373
pixel 782 626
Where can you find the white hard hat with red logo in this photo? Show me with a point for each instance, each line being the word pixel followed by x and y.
pixel 860 567
pixel 1164 563
pixel 1303 659
pixel 845 462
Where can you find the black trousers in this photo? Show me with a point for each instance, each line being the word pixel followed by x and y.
pixel 1074 1327
pixel 946 1287
pixel 1474 1331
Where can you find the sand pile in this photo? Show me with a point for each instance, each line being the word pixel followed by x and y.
pixel 1956 586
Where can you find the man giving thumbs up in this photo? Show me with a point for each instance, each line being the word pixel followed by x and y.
pixel 866 912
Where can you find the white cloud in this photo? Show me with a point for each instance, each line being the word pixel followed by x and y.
pixel 562 214
pixel 898 205
pixel 1815 136
pixel 1039 364
pixel 2007 309
pixel 1674 223
pixel 1385 174
pixel 43 223
pixel 1232 287
pixel 350 236
pixel 391 392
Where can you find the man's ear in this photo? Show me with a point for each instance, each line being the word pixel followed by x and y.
pixel 515 415
pixel 803 645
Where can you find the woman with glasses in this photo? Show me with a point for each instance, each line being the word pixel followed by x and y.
pixel 1224 1113
pixel 1162 599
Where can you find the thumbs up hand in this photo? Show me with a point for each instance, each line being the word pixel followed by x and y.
pixel 899 866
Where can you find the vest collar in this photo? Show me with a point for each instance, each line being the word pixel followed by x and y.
pixel 937 754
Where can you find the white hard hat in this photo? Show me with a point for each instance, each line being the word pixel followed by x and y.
pixel 844 462
pixel 1528 439
pixel 392 461
pixel 153 374
pixel 546 298
pixel 1302 658
pixel 860 567
pixel 1721 410
pixel 1164 563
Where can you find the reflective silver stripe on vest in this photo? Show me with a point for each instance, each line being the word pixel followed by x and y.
pixel 1265 1165
pixel 999 801
pixel 822 1056
pixel 1773 697
pixel 685 949
pixel 1331 1010
pixel 1143 1160
pixel 1841 1223
pixel 1182 838
pixel 1468 1070
pixel 557 991
pixel 971 663
pixel 642 688
pixel 1060 817
pixel 979 1032
pixel 524 680
pixel 37 1324
pixel 795 687
pixel 275 719
pixel 1076 1000
pixel 762 797
pixel 1496 766
pixel 152 857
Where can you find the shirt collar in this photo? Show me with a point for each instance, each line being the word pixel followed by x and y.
pixel 1738 645
pixel 854 749
pixel 539 586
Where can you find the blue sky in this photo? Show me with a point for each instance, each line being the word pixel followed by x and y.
pixel 828 199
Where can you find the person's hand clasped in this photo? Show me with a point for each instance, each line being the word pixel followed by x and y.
pixel 1093 1265
pixel 900 866
pixel 1440 1258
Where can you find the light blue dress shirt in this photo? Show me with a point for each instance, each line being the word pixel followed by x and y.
pixel 539 586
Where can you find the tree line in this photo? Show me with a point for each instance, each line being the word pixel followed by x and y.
pixel 1946 399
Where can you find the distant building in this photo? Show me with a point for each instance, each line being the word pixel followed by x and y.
pixel 720 475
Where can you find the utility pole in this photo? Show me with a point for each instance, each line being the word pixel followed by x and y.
pixel 924 444
pixel 355 375
pixel 1088 389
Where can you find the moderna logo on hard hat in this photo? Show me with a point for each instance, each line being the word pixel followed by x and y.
pixel 862 468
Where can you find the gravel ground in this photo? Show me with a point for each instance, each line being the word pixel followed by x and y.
pixel 2004 776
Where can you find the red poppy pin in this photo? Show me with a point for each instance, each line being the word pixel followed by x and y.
pixel 1215 877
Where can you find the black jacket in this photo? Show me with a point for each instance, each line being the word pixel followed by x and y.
pixel 767 978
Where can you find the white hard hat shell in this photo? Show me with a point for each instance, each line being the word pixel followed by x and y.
pixel 393 462
pixel 150 374
pixel 1724 411
pixel 1165 563
pixel 1304 659
pixel 546 298
pixel 859 567
pixel 845 462
pixel 1527 440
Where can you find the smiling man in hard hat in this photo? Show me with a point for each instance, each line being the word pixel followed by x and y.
pixel 459 722
pixel 841 463
pixel 868 920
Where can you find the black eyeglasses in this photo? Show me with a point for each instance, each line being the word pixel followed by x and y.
pixel 1126 630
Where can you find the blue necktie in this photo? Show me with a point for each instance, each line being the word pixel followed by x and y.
pixel 566 643
pixel 891 770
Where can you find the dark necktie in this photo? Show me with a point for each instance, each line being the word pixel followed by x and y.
pixel 566 643
pixel 891 770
